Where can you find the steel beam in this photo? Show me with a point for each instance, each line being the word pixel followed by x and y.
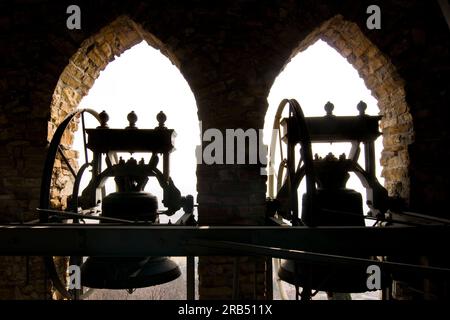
pixel 126 240
pixel 325 259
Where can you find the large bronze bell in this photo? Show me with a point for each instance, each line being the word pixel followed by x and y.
pixel 128 273
pixel 134 205
pixel 130 202
pixel 339 206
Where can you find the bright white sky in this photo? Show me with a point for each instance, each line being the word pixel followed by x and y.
pixel 145 81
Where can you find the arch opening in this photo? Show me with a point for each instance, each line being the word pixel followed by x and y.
pixel 120 70
pixel 385 85
pixel 338 47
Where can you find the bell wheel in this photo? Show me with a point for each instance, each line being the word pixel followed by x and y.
pixel 52 211
pixel 290 160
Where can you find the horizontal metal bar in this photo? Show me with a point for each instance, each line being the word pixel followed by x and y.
pixel 125 240
pixel 423 216
pixel 72 215
pixel 320 258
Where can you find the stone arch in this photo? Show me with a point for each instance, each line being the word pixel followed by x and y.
pixel 94 54
pixel 78 77
pixel 382 79
pixel 75 81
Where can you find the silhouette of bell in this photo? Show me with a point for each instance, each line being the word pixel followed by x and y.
pixel 128 273
pixel 330 277
pixel 130 202
pixel 138 206
pixel 339 206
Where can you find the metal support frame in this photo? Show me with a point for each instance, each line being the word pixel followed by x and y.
pixel 320 245
pixel 156 240
pixel 190 278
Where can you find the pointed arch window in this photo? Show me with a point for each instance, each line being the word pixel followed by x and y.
pixel 313 77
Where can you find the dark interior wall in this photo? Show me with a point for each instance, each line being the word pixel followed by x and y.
pixel 230 53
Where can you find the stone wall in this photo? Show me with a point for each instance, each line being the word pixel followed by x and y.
pixel 229 52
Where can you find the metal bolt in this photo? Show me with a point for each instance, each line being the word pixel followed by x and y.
pixel 362 106
pixel 132 119
pixel 329 107
pixel 161 117
pixel 104 118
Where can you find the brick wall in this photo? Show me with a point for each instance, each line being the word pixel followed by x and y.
pixel 229 53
